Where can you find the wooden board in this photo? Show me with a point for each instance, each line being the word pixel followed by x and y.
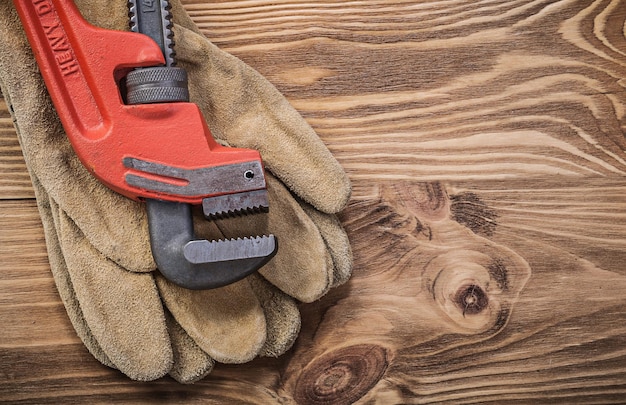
pixel 485 142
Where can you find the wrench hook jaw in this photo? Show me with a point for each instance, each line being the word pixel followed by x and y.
pixel 198 264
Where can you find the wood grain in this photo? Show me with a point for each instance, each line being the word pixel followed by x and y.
pixel 444 90
pixel 547 348
pixel 485 141
pixel 14 179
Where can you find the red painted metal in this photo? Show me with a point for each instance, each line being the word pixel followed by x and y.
pixel 82 65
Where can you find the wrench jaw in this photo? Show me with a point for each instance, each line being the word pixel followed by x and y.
pixel 230 205
pixel 199 264
pixel 180 256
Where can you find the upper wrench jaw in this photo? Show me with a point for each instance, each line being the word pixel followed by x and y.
pixel 229 205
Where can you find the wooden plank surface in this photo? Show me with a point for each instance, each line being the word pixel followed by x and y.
pixel 485 142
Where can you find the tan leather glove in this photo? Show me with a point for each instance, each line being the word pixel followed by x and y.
pixel 126 313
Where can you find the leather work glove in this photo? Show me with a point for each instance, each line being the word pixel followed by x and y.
pixel 129 316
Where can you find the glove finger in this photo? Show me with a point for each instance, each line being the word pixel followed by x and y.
pixel 226 323
pixel 116 225
pixel 302 267
pixel 282 317
pixel 62 278
pixel 122 309
pixel 336 241
pixel 191 363
pixel 245 110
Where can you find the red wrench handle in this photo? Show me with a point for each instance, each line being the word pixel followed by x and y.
pixel 82 65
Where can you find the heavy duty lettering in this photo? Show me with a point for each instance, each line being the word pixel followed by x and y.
pixel 56 37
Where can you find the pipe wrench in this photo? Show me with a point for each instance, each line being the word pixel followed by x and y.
pixel 125 108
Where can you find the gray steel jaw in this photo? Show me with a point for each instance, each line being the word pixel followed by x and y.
pixel 200 264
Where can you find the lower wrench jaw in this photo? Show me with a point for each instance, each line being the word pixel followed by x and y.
pixel 231 250
pixel 213 275
pixel 199 264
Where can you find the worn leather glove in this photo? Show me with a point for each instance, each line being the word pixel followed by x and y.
pixel 126 313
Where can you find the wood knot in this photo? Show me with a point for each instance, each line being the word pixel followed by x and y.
pixel 471 288
pixel 471 299
pixel 341 376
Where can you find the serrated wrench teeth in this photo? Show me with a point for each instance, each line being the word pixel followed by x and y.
pixel 231 205
pixel 256 247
